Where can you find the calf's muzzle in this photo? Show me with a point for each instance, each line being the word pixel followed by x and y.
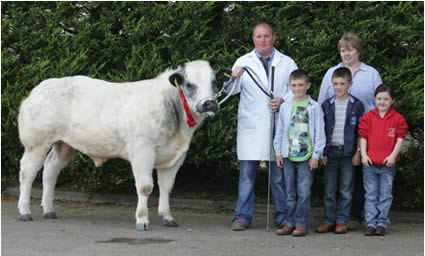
pixel 207 105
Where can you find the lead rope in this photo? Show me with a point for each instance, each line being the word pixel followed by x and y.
pixel 234 82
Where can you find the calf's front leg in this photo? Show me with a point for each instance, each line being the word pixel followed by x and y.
pixel 142 165
pixel 166 178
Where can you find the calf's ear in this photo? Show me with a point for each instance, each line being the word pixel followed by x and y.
pixel 223 75
pixel 176 79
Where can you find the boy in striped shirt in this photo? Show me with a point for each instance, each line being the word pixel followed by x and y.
pixel 342 113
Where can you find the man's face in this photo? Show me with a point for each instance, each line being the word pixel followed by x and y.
pixel 263 40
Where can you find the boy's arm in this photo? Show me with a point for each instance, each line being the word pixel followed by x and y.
pixel 279 161
pixel 324 160
pixel 401 132
pixel 363 149
pixel 357 156
pixel 277 142
pixel 357 160
pixel 363 134
pixel 319 142
pixel 390 160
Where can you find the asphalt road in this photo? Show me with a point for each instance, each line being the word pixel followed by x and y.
pixel 93 229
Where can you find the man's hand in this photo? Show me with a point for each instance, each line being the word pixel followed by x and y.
pixel 237 71
pixel 275 104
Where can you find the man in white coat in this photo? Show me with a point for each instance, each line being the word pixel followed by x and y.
pixel 254 122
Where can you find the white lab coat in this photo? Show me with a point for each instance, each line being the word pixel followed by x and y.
pixel 254 112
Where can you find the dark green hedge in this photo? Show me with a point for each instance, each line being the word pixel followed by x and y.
pixel 127 41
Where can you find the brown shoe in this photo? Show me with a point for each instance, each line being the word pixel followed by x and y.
pixel 239 226
pixel 340 229
pixel 325 228
pixel 299 231
pixel 285 230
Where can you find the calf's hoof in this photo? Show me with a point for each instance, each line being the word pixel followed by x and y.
pixel 142 227
pixel 170 223
pixel 50 215
pixel 25 217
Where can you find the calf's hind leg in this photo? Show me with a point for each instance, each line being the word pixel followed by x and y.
pixel 60 155
pixel 31 163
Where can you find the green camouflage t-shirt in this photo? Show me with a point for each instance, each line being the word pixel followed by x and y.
pixel 300 148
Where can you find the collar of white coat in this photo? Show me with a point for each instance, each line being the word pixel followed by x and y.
pixel 270 56
pixel 277 57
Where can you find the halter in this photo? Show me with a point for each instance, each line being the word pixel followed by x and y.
pixel 188 105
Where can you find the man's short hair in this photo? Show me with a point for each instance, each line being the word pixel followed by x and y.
pixel 349 39
pixel 342 72
pixel 263 24
pixel 299 74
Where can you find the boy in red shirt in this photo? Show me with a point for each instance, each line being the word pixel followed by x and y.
pixel 382 131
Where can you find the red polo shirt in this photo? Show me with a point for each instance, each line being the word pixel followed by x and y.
pixel 381 133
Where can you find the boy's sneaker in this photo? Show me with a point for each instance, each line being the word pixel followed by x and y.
pixel 370 231
pixel 380 231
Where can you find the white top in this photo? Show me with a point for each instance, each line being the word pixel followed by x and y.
pixel 254 114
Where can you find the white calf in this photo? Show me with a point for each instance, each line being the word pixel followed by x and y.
pixel 149 123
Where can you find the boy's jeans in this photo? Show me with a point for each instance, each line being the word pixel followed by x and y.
pixel 339 178
pixel 246 196
pixel 358 200
pixel 378 183
pixel 298 181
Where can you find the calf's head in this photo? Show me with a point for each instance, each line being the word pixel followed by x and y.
pixel 198 81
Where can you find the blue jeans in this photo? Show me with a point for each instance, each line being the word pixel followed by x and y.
pixel 246 197
pixel 339 178
pixel 378 184
pixel 298 181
